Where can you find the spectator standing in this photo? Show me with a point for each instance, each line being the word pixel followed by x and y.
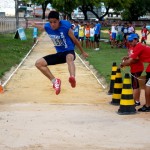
pixel 119 35
pixel 76 29
pixel 125 34
pixel 87 34
pixel 97 34
pixel 92 30
pixel 81 33
pixel 113 34
pixel 110 36
pixel 130 28
pixel 144 33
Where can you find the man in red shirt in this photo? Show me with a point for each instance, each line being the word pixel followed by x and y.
pixel 140 52
pixel 136 70
pixel 144 33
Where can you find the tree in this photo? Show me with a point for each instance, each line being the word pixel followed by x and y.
pixel 129 9
pixel 65 6
pixel 88 5
pixel 43 3
pixel 136 9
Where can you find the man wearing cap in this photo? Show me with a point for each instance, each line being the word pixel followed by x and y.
pixel 140 52
pixel 136 70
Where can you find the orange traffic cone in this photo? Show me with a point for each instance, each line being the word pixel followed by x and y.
pixel 1 88
pixel 127 104
pixel 113 74
pixel 117 88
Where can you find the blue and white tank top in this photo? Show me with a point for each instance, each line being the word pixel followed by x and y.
pixel 60 37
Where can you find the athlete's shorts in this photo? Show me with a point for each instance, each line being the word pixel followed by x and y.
pixel 96 37
pixel 92 39
pixel 86 38
pixel 119 37
pixel 135 82
pixel 113 35
pixel 144 38
pixel 77 37
pixel 125 36
pixel 81 38
pixel 58 58
pixel 148 79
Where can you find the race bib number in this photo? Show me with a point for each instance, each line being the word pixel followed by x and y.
pixel 143 34
pixel 87 32
pixel 57 40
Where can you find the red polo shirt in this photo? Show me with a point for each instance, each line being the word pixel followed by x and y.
pixel 136 67
pixel 141 52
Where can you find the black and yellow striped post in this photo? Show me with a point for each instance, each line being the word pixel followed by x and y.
pixel 127 104
pixel 117 88
pixel 112 79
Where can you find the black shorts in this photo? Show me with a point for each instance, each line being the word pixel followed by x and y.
pixel 96 37
pixel 135 82
pixel 58 58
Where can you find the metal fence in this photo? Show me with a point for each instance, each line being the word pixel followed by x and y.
pixel 8 24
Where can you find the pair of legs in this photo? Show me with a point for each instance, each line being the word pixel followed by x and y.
pixel 53 59
pixel 92 44
pixel 113 41
pixel 87 42
pixel 81 39
pixel 143 39
pixel 146 107
pixel 136 88
pixel 119 40
pixel 96 40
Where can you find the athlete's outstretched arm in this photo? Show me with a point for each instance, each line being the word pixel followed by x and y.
pixel 40 27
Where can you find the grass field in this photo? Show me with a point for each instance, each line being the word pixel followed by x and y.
pixel 13 50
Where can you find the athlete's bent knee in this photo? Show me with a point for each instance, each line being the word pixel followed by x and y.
pixel 40 63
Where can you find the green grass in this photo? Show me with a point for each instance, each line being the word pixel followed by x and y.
pixel 103 59
pixel 13 50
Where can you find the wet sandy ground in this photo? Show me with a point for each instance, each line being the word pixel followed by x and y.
pixel 32 117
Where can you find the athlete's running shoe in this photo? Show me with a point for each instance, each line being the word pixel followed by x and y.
pixel 57 86
pixel 144 109
pixel 72 82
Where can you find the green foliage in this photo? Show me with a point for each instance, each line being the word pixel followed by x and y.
pixel 136 9
pixel 65 6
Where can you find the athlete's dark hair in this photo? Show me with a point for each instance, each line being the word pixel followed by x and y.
pixel 53 14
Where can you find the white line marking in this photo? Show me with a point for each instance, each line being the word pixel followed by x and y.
pixel 19 65
pixel 91 72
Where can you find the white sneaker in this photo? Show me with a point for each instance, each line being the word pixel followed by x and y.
pixel 96 49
